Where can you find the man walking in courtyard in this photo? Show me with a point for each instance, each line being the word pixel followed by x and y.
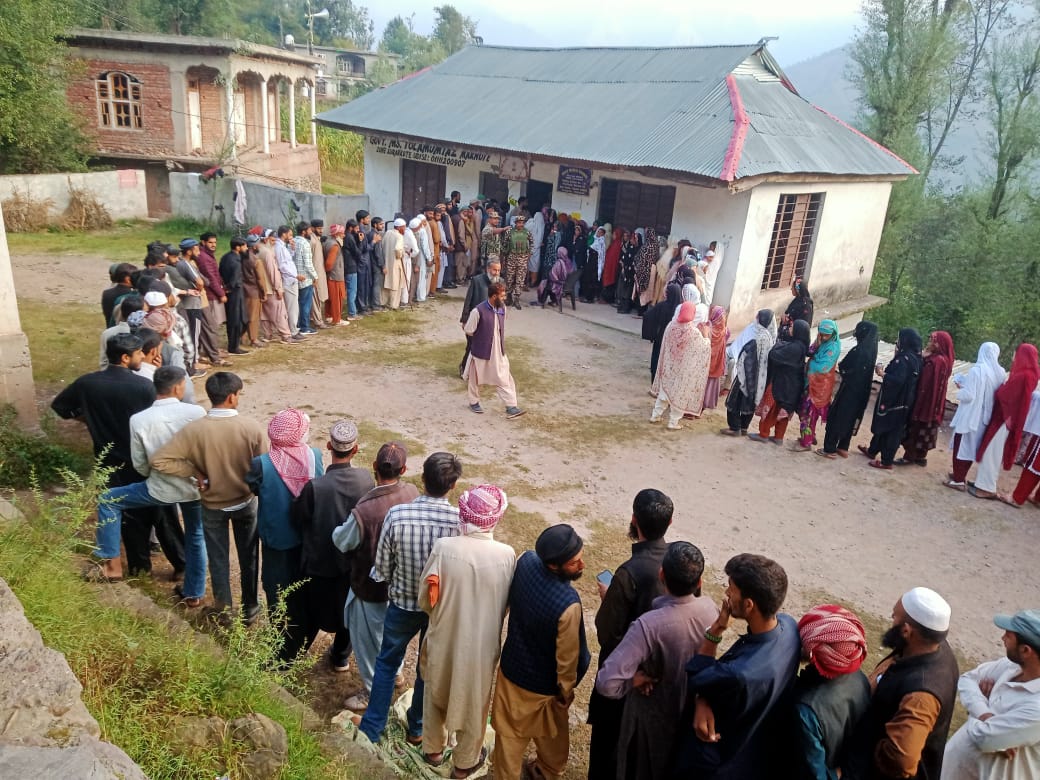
pixel 488 364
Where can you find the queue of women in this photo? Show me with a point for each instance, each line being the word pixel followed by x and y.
pixel 776 371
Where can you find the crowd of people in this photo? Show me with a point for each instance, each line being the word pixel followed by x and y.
pixel 359 553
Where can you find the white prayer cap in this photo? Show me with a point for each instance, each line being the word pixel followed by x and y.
pixel 155 298
pixel 399 222
pixel 928 608
pixel 414 223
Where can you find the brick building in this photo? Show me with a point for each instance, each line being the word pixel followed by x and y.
pixel 175 102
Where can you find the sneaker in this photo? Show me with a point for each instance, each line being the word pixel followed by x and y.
pixel 198 372
pixel 476 408
pixel 512 412
pixel 308 332
pixel 339 665
pixel 357 703
pixel 299 337
pixel 341 323
pixel 758 437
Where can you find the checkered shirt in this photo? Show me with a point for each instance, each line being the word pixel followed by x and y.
pixel 408 535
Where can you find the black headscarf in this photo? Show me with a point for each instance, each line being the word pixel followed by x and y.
pixel 787 367
pixel 909 341
pixel 899 385
pixel 857 381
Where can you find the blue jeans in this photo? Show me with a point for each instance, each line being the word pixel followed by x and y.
pixel 136 496
pixel 398 629
pixel 306 302
pixel 352 294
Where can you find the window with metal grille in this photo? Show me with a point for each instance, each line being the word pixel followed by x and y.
pixel 792 241
pixel 119 101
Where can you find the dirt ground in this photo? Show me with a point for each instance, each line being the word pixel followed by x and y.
pixel 841 530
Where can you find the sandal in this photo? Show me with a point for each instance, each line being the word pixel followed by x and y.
pixel 879 465
pixel 985 495
pixel 95 574
pixel 460 774
pixel 433 759
pixel 1008 500
pixel 950 483
pixel 829 455
pixel 865 450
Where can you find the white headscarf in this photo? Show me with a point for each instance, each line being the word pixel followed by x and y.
pixel 691 293
pixel 975 399
pixel 702 314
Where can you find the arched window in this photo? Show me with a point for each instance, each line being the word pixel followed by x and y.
pixel 119 101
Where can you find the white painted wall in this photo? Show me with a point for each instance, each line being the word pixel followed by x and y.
pixel 382 183
pixel 842 262
pixel 123 193
pixel 847 236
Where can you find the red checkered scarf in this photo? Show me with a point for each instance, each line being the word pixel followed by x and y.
pixel 482 507
pixel 290 455
pixel 834 639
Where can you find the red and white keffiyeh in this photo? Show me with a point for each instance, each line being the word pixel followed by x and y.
pixel 834 639
pixel 483 506
pixel 290 455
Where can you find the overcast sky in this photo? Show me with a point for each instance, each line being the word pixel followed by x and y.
pixel 805 27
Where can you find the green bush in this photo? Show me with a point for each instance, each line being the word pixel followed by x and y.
pixel 28 458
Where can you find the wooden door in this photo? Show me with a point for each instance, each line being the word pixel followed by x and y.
pixel 422 184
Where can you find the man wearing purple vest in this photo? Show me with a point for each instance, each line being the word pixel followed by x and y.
pixel 488 364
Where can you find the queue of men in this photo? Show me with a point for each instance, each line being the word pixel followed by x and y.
pixel 353 550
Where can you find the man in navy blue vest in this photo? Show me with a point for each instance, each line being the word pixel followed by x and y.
pixel 543 660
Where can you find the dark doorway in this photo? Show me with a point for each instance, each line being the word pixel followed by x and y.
pixel 422 184
pixel 494 188
pixel 630 204
pixel 539 195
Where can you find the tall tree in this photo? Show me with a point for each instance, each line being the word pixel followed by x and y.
pixel 1014 94
pixel 398 36
pixel 350 23
pixel 38 130
pixel 451 29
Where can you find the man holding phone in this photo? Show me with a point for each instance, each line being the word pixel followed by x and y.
pixel 625 596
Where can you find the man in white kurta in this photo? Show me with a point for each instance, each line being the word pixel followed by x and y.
pixel 486 324
pixel 1001 740
pixel 464 589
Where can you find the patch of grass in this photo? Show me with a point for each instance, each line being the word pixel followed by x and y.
pixel 27 457
pixel 63 340
pixel 343 181
pixel 126 242
pixel 138 672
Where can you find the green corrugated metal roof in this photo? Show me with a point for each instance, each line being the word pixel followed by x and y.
pixel 669 109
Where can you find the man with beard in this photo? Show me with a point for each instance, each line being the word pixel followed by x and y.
pixel 475 295
pixel 732 702
pixel 1002 736
pixel 446 277
pixel 378 263
pixel 254 288
pixel 303 257
pixel 631 592
pixel 903 732
pixel 543 660
pixel 488 363
pixel 234 307
pixel 213 315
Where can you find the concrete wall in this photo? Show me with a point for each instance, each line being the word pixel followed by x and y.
pixel 123 193
pixel 16 379
pixel 844 252
pixel 265 204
